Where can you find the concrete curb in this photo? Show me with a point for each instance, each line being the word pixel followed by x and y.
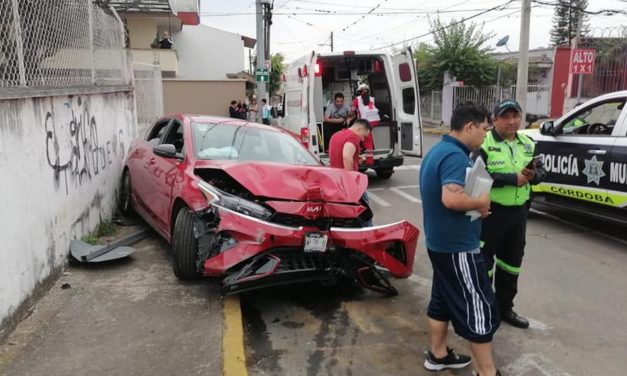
pixel 234 355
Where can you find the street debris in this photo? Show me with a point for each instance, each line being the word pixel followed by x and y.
pixel 85 252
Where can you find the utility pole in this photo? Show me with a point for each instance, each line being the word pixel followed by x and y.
pixel 523 59
pixel 330 44
pixel 331 41
pixel 261 54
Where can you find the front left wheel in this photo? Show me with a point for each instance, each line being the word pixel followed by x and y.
pixel 124 200
pixel 185 247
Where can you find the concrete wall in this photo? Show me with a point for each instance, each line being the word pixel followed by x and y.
pixel 61 159
pixel 201 97
pixel 141 31
pixel 166 59
pixel 206 53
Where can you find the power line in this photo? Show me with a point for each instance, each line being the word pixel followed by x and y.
pixel 319 12
pixel 498 7
pixel 516 11
pixel 608 12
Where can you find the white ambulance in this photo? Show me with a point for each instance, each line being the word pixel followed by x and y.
pixel 311 82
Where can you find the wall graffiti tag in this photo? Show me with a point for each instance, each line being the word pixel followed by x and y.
pixel 74 149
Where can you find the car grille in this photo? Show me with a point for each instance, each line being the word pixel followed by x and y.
pixel 296 259
pixel 322 223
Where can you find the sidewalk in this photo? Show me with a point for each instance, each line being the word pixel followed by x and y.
pixel 130 317
pixel 434 128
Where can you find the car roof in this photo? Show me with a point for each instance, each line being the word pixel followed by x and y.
pixel 616 94
pixel 221 120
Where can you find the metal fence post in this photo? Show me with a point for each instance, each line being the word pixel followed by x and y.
pixel 126 64
pixel 432 98
pixel 18 43
pixel 90 13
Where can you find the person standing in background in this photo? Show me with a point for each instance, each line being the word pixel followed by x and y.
pixel 252 111
pixel 266 112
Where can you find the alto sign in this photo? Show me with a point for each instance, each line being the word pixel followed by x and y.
pixel 582 61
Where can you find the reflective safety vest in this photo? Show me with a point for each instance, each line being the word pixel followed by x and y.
pixel 503 158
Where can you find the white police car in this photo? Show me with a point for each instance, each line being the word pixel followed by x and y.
pixel 585 155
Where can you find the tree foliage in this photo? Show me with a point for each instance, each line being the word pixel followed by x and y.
pixel 458 47
pixel 276 71
pixel 565 19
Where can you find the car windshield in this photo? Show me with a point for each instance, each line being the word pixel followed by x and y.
pixel 242 143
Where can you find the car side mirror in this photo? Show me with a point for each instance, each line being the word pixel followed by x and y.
pixel 547 128
pixel 165 150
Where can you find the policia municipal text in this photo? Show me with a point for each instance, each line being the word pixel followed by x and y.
pixel 508 156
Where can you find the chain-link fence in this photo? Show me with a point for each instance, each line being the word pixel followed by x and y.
pixel 148 95
pixel 60 43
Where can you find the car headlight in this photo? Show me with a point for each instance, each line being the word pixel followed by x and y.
pixel 226 200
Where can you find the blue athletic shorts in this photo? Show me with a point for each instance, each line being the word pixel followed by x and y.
pixel 462 294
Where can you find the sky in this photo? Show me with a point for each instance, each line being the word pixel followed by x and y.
pixel 300 26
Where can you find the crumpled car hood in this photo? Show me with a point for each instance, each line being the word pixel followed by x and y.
pixel 294 182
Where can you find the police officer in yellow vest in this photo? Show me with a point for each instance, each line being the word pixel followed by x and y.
pixel 507 155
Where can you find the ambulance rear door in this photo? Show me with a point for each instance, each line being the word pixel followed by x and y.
pixel 406 103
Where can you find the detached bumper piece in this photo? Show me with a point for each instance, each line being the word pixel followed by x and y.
pixel 289 266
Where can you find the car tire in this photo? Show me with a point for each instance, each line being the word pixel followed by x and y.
pixel 384 173
pixel 124 200
pixel 184 247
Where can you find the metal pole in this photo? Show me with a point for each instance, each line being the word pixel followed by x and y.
pixel 127 64
pixel 261 57
pixel 267 23
pixel 432 100
pixel 18 43
pixel 331 41
pixel 90 14
pixel 250 62
pixel 523 59
pixel 577 41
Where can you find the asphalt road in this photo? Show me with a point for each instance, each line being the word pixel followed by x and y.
pixel 572 287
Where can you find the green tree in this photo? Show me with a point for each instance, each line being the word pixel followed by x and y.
pixel 276 71
pixel 457 47
pixel 565 19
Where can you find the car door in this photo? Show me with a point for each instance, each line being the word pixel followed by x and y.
pixel 406 103
pixel 577 157
pixel 165 174
pixel 617 184
pixel 141 167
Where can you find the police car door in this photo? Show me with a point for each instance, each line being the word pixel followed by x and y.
pixel 406 103
pixel 617 185
pixel 577 158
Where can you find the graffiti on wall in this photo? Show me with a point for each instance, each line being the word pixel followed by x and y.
pixel 75 149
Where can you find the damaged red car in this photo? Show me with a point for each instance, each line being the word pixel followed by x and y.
pixel 249 203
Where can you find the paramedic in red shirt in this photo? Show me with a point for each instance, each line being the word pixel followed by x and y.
pixel 363 104
pixel 344 149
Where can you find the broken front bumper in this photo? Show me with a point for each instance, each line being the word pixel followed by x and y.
pixel 262 253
